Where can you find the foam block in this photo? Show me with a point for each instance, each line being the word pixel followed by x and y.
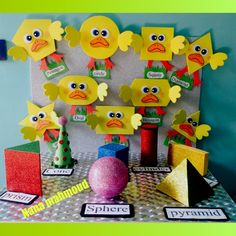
pixel 3 50
pixel 186 185
pixel 198 157
pixel 114 150
pixel 23 169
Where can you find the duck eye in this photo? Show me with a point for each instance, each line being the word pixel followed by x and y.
pixel 204 51
pixel 82 86
pixel 190 120
pixel 194 124
pixel 110 114
pixel 33 119
pixel 104 33
pixel 161 37
pixel 27 38
pixel 72 85
pixel 145 89
pixel 197 48
pixel 153 37
pixel 119 114
pixel 155 89
pixel 37 33
pixel 94 32
pixel 42 115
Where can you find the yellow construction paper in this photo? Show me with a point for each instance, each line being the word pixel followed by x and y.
pixel 157 43
pixel 125 40
pixel 217 60
pixel 76 90
pixel 92 41
pixel 189 126
pixel 174 93
pixel 37 37
pixel 116 120
pixel 72 36
pixel 38 120
pixel 102 91
pixel 179 45
pixel 137 42
pixel 199 53
pixel 56 30
pixel 178 152
pixel 18 53
pixel 149 92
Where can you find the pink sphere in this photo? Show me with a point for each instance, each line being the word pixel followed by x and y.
pixel 108 176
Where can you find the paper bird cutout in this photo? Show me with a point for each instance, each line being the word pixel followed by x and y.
pixel 158 44
pixel 35 38
pixel 188 127
pixel 150 93
pixel 38 121
pixel 76 90
pixel 99 38
pixel 114 120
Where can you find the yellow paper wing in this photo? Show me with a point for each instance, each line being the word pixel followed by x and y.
pixel 72 36
pixel 125 40
pixel 18 53
pixel 29 133
pixel 179 45
pixel 174 93
pixel 125 93
pixel 137 42
pixel 51 90
pixel 180 117
pixel 102 91
pixel 92 121
pixel 136 121
pixel 217 60
pixel 56 30
pixel 202 131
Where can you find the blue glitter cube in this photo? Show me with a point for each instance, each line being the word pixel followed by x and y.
pixel 3 50
pixel 114 150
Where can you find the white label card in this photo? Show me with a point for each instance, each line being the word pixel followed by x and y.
pixel 58 172
pixel 107 210
pixel 195 214
pixel 148 169
pixel 18 197
pixel 212 183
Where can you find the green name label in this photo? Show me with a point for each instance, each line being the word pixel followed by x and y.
pixel 100 72
pixel 55 70
pixel 184 81
pixel 152 118
pixel 80 116
pixel 155 73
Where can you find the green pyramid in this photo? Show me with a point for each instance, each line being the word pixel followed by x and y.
pixel 29 147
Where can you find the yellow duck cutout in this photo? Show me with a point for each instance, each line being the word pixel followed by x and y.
pixel 159 44
pixel 115 120
pixel 150 93
pixel 76 90
pixel 200 53
pixel 40 121
pixel 36 38
pixel 188 127
pixel 99 37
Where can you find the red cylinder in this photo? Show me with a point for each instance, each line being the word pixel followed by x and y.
pixel 149 145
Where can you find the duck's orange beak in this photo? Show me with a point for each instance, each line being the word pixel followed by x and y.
pixel 195 57
pixel 187 129
pixel 114 123
pixel 156 47
pixel 42 124
pixel 150 98
pixel 38 43
pixel 99 42
pixel 77 94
